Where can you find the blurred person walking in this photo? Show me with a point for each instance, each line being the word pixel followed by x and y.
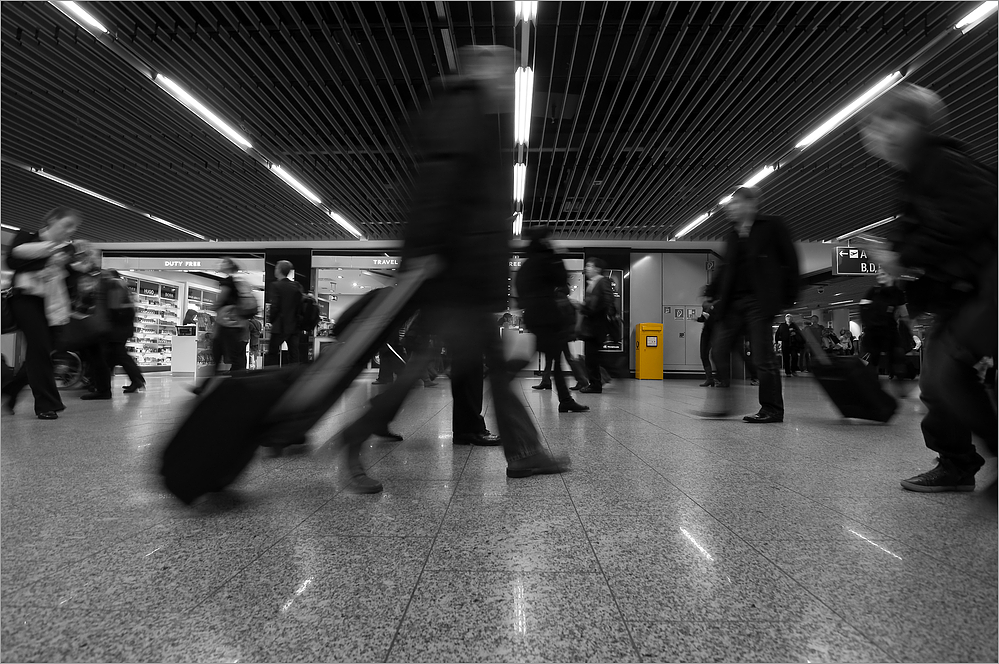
pixel 598 304
pixel 814 330
pixel 757 278
pixel 460 214
pixel 881 310
pixel 788 335
pixel 40 304
pixel 705 346
pixel 283 318
pixel 947 231
pixel 543 290
pixel 108 288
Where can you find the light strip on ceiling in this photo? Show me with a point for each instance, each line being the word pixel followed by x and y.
pixel 758 176
pixel 851 108
pixel 692 225
pixel 184 97
pixel 833 304
pixel 868 227
pixel 524 82
pixel 518 223
pixel 10 228
pixel 86 191
pixel 975 17
pixel 295 184
pixel 346 225
pixel 74 10
pixel 519 180
pixel 525 11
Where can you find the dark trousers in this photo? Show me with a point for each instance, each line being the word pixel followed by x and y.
pixel 467 378
pixel 228 341
pixel 273 356
pixel 554 351
pixel 100 373
pixel 118 356
pixel 591 348
pixel 37 371
pixel 880 341
pixel 957 402
pixel 575 366
pixel 742 315
pixel 706 352
pixel 466 334
pixel 790 358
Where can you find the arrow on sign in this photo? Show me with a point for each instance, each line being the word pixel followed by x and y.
pixel 843 253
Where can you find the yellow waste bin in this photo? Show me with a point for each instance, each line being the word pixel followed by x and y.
pixel 649 351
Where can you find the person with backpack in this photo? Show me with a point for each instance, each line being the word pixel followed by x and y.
pixel 947 232
pixel 284 318
pixel 107 285
pixel 233 307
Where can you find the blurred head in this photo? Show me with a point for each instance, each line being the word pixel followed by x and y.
pixel 229 265
pixel 60 224
pixel 283 269
pixel 815 320
pixel 494 67
pixel 884 279
pixel 744 204
pixel 593 267
pixel 538 238
pixel 895 124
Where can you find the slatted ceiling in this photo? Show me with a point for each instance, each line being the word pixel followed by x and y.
pixel 676 103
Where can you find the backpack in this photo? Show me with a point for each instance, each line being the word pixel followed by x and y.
pixel 246 304
pixel 121 308
pixel 308 313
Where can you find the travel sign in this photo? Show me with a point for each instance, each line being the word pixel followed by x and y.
pixel 853 261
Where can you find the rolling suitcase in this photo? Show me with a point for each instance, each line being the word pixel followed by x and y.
pixel 235 415
pixel 851 385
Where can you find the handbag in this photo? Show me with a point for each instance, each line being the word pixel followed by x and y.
pixel 7 321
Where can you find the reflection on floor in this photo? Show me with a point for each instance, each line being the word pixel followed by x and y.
pixel 673 539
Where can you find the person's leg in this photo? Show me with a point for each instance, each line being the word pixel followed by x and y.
pixel 765 362
pixel 235 350
pixel 705 348
pixel 592 349
pixel 273 356
pixel 546 374
pixel 785 355
pixel 127 362
pixel 96 356
pixel 294 348
pixel 29 312
pixel 466 388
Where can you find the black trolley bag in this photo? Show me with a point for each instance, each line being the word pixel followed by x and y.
pixel 851 385
pixel 237 414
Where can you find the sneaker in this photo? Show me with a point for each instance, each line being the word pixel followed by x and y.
pixel 940 479
pixel 571 406
pixel 361 483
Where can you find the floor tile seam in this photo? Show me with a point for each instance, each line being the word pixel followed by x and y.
pixel 426 560
pixel 617 604
pixel 844 618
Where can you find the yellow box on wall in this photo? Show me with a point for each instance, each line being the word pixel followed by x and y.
pixel 649 351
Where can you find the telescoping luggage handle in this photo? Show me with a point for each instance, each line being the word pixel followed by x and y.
pixel 320 377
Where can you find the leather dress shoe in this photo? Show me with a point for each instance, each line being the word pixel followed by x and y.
pixel 762 418
pixel 537 464
pixel 707 383
pixel 571 406
pixel 48 415
pixel 94 396
pixel 589 389
pixel 542 386
pixel 480 439
pixel 385 433
pixel 134 387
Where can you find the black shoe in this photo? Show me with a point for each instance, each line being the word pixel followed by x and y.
pixel 579 386
pixel 385 433
pixel 537 464
pixel 94 396
pixel 707 383
pixel 134 387
pixel 361 483
pixel 381 382
pixel 48 415
pixel 8 403
pixel 542 386
pixel 571 406
pixel 755 381
pixel 762 418
pixel 480 439
pixel 589 389
pixel 941 479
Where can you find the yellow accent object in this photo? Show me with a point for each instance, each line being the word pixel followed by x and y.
pixel 649 351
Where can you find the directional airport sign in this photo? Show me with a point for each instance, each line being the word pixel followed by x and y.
pixel 853 261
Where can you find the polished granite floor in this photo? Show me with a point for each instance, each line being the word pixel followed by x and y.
pixel 672 539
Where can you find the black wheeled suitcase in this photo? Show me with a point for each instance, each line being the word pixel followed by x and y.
pixel 851 385
pixel 236 415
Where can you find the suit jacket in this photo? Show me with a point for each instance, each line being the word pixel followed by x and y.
pixel 773 264
pixel 596 305
pixel 286 297
pixel 790 336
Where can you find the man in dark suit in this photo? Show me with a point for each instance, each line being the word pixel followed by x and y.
pixel 597 304
pixel 758 278
pixel 791 342
pixel 286 300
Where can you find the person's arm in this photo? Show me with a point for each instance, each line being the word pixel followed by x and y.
pixel 29 247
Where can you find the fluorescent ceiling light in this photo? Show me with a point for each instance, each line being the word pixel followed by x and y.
pixel 868 227
pixel 975 17
pixel 66 183
pixel 692 225
pixel 10 228
pixel 758 176
pixel 850 109
pixel 522 109
pixel 526 10
pixel 452 62
pixel 350 228
pixel 85 18
pixel 295 184
pixel 831 304
pixel 519 180
pixel 518 223
pixel 725 200
pixel 201 111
